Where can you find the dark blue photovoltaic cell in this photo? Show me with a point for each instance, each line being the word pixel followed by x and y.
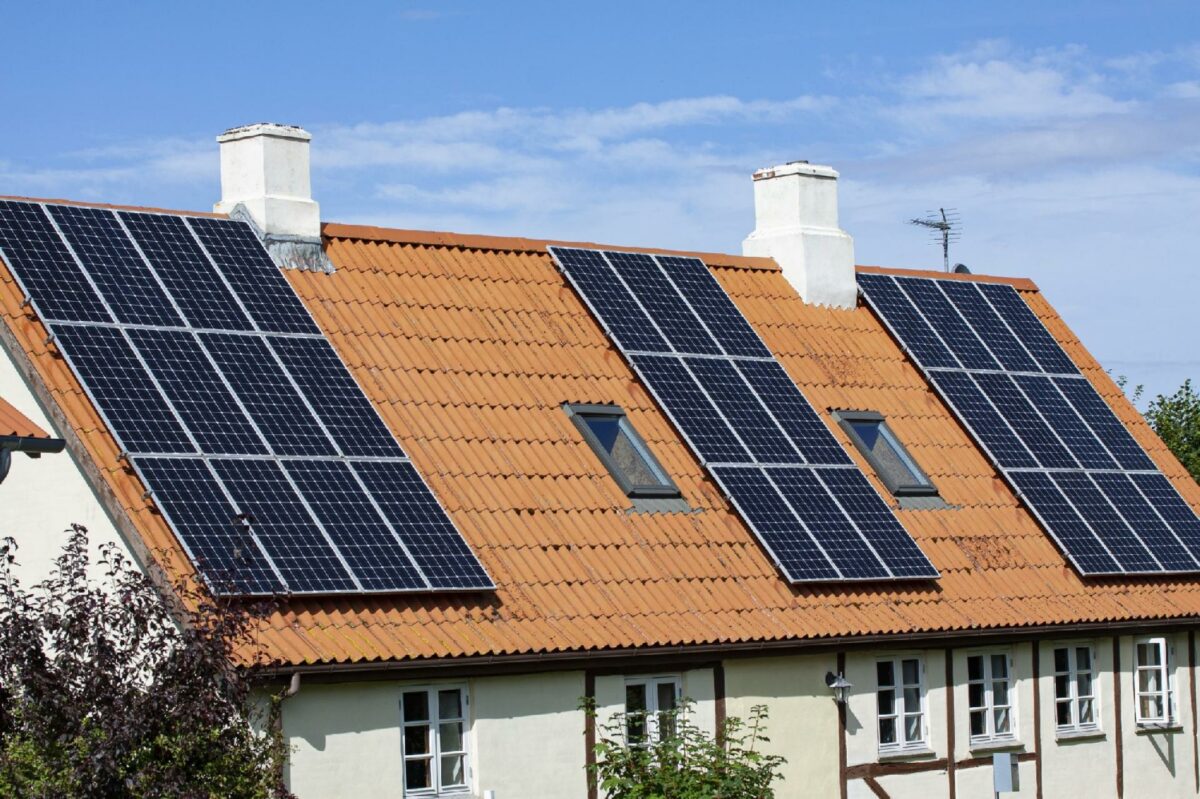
pixel 106 363
pixel 614 305
pixel 781 396
pixel 1119 490
pixel 1037 437
pixel 283 526
pixel 660 299
pixel 1108 526
pixel 255 278
pixel 776 524
pixel 188 275
pixel 426 530
pixel 983 420
pixel 115 266
pixel 1070 427
pixel 829 524
pixel 1174 511
pixel 39 258
pixel 1063 523
pixel 914 333
pixel 204 521
pixel 273 403
pixel 988 325
pixel 724 320
pixel 1028 328
pixel 356 528
pixel 339 402
pixel 737 402
pixel 195 390
pixel 1104 423
pixel 877 523
pixel 955 332
pixel 685 402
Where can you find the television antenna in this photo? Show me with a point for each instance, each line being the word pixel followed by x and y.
pixel 944 226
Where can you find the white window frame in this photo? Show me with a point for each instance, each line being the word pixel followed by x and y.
pixel 1166 681
pixel 653 718
pixel 989 706
pixel 1075 699
pixel 900 710
pixel 434 742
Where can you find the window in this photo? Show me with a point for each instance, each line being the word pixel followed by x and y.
pixel 901 702
pixel 989 697
pixel 608 431
pixel 1075 689
pixel 1153 682
pixel 650 705
pixel 434 741
pixel 887 456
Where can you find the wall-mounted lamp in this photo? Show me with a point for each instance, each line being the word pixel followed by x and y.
pixel 839 685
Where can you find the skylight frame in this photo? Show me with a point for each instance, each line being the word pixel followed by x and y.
pixel 580 413
pixel 921 486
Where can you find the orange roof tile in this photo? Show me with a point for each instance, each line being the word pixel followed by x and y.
pixel 15 423
pixel 468 346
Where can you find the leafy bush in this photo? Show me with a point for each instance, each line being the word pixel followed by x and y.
pixel 106 691
pixel 685 762
pixel 1176 419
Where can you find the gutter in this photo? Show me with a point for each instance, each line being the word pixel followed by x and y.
pixel 616 659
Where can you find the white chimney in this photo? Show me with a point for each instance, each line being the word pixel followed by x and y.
pixel 265 170
pixel 796 223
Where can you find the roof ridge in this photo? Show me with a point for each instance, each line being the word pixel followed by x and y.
pixel 1020 283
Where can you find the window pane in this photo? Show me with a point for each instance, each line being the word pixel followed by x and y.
pixel 912 672
pixel 416 740
pixel 1001 720
pixel 975 695
pixel 1151 707
pixel 1149 654
pixel 999 666
pixel 1085 712
pixel 978 722
pixel 887 702
pixel 635 698
pixel 883 673
pixel 451 736
pixel 666 696
pixel 1083 658
pixel 887 731
pixel 1148 680
pixel 999 692
pixel 452 771
pixel 886 453
pixel 450 704
pixel 912 728
pixel 417 774
pixel 1063 711
pixel 975 667
pixel 1062 686
pixel 912 699
pixel 616 438
pixel 416 706
pixel 1061 657
pixel 1083 684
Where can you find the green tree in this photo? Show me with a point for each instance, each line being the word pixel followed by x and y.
pixel 1176 419
pixel 684 762
pixel 108 691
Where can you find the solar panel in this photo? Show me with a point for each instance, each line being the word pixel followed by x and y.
pixel 744 417
pixel 236 412
pixel 1075 465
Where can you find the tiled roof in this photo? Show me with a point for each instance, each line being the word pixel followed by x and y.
pixel 14 423
pixel 470 345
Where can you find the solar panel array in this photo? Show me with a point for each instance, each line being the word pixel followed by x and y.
pixel 270 464
pixel 1056 440
pixel 809 505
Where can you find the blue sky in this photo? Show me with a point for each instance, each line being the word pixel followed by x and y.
pixel 1066 134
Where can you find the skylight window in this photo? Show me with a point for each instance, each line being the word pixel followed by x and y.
pixel 610 434
pixel 891 461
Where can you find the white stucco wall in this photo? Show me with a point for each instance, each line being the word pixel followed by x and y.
pixel 42 497
pixel 803 724
pixel 526 737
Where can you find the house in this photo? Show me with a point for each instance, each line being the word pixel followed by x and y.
pixel 484 361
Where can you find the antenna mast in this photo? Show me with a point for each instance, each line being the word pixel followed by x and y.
pixel 945 227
